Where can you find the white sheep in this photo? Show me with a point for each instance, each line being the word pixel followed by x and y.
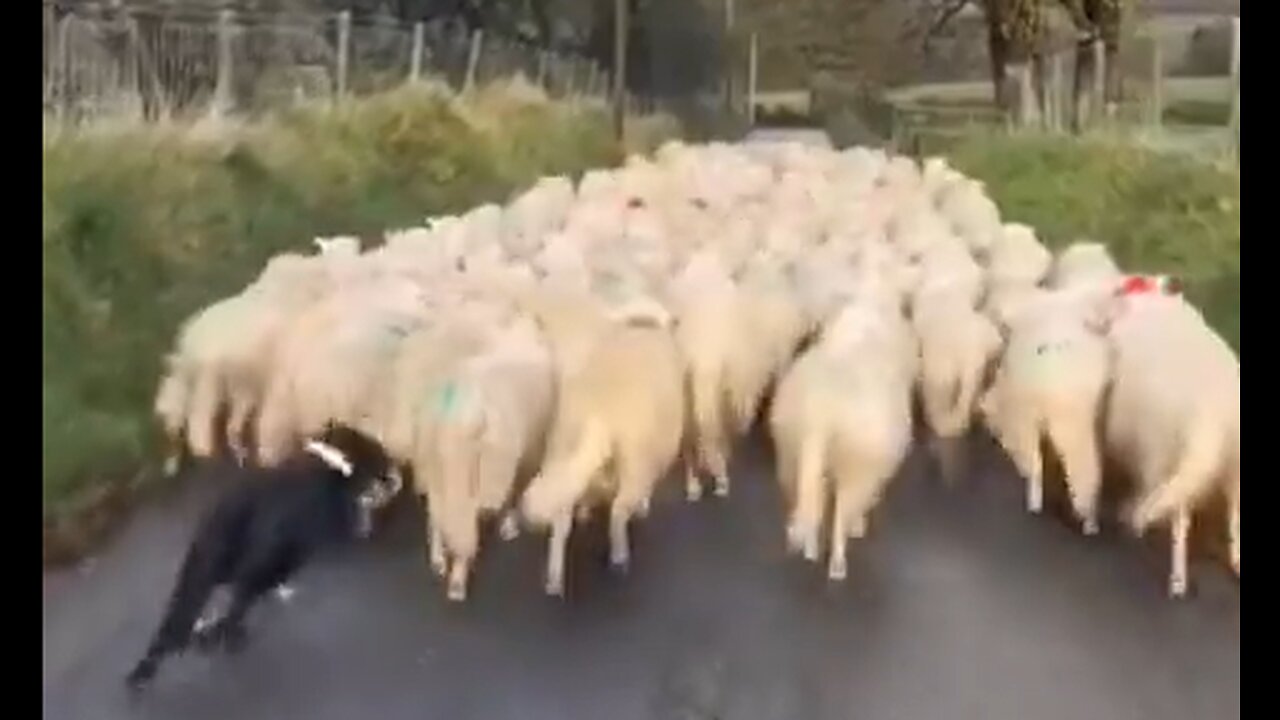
pixel 841 424
pixel 1173 418
pixel 329 361
pixel 1084 262
pixel 491 414
pixel 957 344
pixel 973 215
pixel 1017 257
pixel 617 427
pixel 223 354
pixel 1050 385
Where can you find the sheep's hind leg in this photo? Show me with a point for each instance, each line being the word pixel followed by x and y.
pixel 692 483
pixel 439 563
pixel 459 572
pixel 1024 449
pixel 1078 449
pixel 1181 535
pixel 556 545
pixel 838 567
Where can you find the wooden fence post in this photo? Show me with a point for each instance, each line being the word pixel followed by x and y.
pixel 473 60
pixel 415 62
pixel 344 51
pixel 222 94
pixel 753 60
pixel 1233 120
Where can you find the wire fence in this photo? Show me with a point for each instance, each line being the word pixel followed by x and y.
pixel 174 61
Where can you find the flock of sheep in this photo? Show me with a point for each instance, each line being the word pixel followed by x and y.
pixel 539 360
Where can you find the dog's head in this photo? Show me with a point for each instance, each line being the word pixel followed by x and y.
pixel 365 465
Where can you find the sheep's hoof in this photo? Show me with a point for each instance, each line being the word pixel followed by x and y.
pixel 285 592
pixel 620 566
pixel 457 592
pixel 811 551
pixel 837 571
pixel 693 491
pixel 1034 505
pixel 1177 587
pixel 722 487
pixel 509 529
pixel 1090 526
pixel 171 466
pixel 795 542
pixel 439 566
pixel 555 587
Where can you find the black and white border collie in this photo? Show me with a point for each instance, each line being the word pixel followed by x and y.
pixel 263 531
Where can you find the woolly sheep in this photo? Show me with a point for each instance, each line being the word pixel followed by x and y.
pixel 492 414
pixel 841 424
pixel 1050 384
pixel 972 214
pixel 957 344
pixel 1173 418
pixel 329 361
pixel 1017 257
pixel 1084 262
pixel 539 211
pixel 223 354
pixel 617 427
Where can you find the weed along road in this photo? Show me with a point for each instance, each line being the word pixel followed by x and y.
pixel 958 606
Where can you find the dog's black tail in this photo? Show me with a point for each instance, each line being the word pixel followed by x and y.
pixel 195 583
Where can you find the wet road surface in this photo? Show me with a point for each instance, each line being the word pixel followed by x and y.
pixel 959 606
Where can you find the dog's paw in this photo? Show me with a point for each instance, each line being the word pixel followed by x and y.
pixel 509 529
pixel 141 676
pixel 225 637
pixel 285 592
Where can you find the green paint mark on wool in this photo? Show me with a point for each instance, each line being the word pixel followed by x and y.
pixel 447 399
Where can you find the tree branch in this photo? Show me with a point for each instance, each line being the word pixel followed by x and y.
pixel 943 18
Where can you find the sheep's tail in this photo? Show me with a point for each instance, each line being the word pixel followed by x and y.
pixel 708 405
pixel 460 455
pixel 806 519
pixel 942 405
pixel 556 488
pixel 745 388
pixel 460 439
pixel 1198 466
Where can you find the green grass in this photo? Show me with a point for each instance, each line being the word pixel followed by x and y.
pixel 1158 212
pixel 144 225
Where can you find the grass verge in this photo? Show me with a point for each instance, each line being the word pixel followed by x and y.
pixel 1157 212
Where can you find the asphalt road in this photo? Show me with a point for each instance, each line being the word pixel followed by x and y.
pixel 958 606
